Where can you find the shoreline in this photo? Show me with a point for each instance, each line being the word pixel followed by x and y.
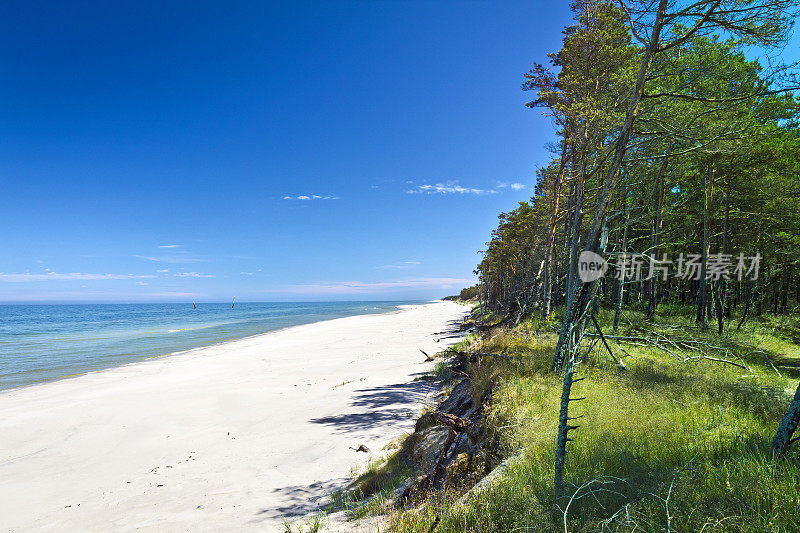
pixel 231 436
pixel 145 359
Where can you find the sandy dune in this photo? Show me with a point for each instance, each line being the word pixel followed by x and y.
pixel 223 438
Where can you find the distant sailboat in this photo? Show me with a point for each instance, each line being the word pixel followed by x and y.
pixel 234 302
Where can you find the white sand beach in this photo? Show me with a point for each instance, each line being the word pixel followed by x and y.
pixel 229 437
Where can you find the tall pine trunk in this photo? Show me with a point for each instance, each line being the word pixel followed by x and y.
pixel 621 275
pixel 550 258
pixel 702 300
pixel 657 220
pixel 719 283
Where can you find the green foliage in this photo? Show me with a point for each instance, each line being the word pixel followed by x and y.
pixel 470 293
pixel 711 164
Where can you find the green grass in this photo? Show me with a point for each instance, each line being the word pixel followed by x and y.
pixel 663 445
pixel 385 474
pixel 312 524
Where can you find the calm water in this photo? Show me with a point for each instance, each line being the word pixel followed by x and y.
pixel 45 342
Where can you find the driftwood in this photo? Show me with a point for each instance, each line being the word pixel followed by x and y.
pixel 459 414
pixel 457 424
pixel 428 358
pixel 453 422
pixel 427 481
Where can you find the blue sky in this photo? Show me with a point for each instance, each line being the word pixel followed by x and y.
pixel 169 151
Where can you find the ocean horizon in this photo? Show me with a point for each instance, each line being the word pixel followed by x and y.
pixel 45 342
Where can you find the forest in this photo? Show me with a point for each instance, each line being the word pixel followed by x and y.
pixel 677 159
pixel 638 344
pixel 680 147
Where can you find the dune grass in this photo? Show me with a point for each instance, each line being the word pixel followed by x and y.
pixel 664 445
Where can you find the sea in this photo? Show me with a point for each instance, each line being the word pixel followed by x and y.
pixel 46 342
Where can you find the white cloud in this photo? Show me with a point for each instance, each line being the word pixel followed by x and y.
pixel 400 265
pixel 163 271
pixel 310 197
pixel 192 275
pixel 177 257
pixel 169 246
pixel 247 273
pixel 104 296
pixel 69 276
pixel 141 283
pixel 518 186
pixel 356 287
pixel 450 187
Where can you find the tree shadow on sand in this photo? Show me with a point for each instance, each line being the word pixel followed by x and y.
pixel 383 407
pixel 300 500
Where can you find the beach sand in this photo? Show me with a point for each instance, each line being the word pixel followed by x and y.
pixel 236 436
